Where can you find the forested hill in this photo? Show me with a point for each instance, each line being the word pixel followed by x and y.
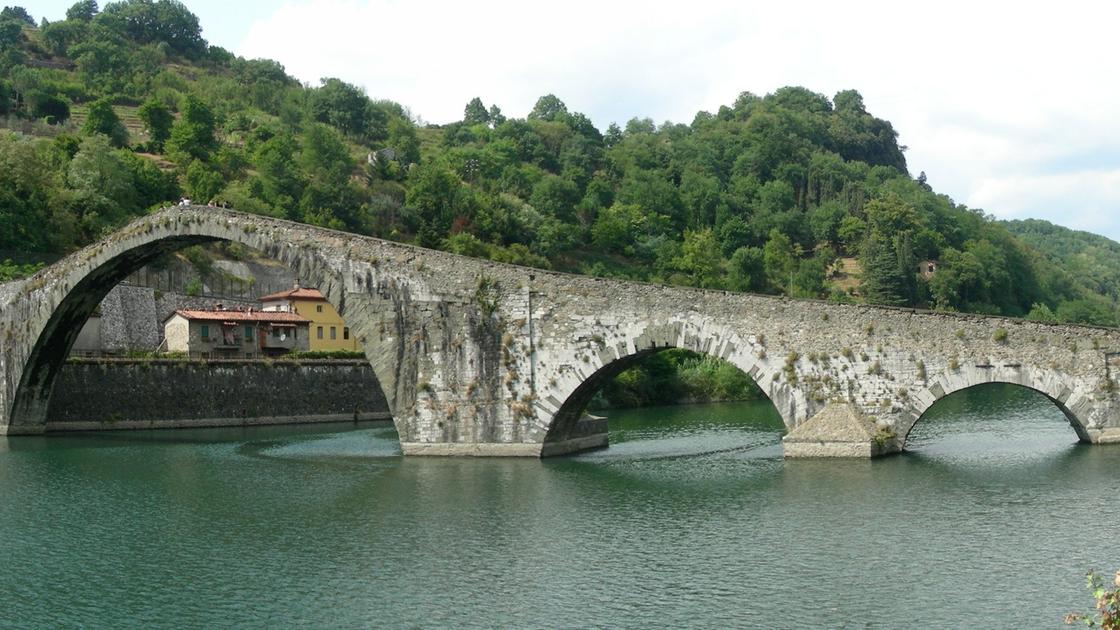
pixel 121 108
pixel 1092 262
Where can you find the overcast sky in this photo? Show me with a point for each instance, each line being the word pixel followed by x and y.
pixel 1007 107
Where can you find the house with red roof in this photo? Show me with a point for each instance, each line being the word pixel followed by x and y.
pixel 235 334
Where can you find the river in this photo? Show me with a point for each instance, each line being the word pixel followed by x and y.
pixel 690 519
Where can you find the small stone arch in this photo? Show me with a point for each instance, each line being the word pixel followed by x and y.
pixel 567 422
pixel 1050 384
pixel 62 298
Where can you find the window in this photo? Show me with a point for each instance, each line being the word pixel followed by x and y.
pixel 333 333
pixel 345 332
pixel 318 332
pixel 318 308
pixel 248 333
pixel 276 332
pixel 205 331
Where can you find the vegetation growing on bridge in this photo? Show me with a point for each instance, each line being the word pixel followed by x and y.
pixel 10 270
pixel 127 107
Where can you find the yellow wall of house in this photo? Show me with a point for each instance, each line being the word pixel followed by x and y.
pixel 323 318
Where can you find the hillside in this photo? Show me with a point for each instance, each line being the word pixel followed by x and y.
pixel 1091 262
pixel 127 108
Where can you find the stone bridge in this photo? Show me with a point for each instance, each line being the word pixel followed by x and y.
pixel 482 358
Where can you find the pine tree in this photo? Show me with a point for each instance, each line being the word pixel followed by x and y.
pixel 884 281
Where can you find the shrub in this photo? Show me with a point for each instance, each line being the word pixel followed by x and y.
pixel 1107 616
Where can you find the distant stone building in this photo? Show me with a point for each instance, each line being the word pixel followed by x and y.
pixel 244 334
pixel 927 268
pixel 328 330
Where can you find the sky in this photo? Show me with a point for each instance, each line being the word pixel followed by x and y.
pixel 1005 106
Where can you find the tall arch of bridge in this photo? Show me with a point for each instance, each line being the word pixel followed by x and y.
pixel 483 358
pixel 55 305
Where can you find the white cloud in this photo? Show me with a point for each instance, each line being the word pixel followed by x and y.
pixel 1085 200
pixel 988 96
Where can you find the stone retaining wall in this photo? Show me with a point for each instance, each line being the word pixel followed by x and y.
pixel 136 393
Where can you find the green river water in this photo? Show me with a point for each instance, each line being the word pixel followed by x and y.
pixel 690 519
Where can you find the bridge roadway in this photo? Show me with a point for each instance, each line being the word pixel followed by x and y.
pixel 482 358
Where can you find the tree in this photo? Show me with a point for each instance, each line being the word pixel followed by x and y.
pixel 700 195
pixel 59 36
pixel 884 281
pixel 156 21
pixel 825 221
pixel 548 107
pixel 699 258
pixel 83 10
pixel 849 101
pixel 435 194
pixel 746 270
pixel 496 117
pixel 153 186
pixel 325 157
pixel 280 181
pixel 103 64
pixel 889 264
pixel 851 232
pixel 733 235
pixel 619 227
pixel 192 136
pixel 17 14
pixel 347 108
pixel 50 107
pixel 103 185
pixel 11 52
pixel 475 113
pixel 809 279
pixel 157 121
pixel 203 182
pixel 102 119
pixel 613 135
pixel 1086 311
pixel 555 196
pixel 779 258
pixel 30 190
pixel 403 140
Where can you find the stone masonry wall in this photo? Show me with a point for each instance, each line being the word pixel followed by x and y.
pixel 120 393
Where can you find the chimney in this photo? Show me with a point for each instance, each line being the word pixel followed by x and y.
pixel 218 307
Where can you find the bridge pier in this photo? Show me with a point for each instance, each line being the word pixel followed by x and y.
pixel 840 429
pixel 1105 435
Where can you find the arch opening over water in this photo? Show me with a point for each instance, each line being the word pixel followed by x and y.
pixel 1012 409
pixel 665 375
